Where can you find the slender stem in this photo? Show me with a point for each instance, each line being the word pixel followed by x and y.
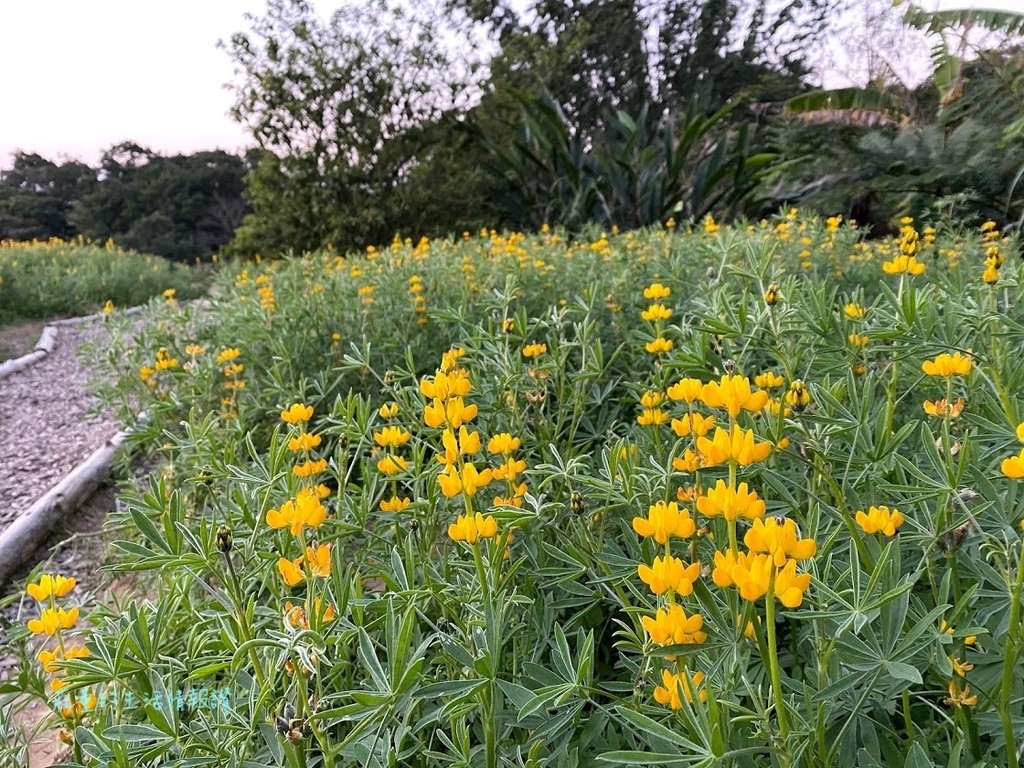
pixel 1009 664
pixel 773 666
pixel 908 722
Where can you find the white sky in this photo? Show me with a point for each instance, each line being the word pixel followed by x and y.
pixel 77 76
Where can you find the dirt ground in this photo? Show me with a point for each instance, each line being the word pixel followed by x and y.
pixel 19 339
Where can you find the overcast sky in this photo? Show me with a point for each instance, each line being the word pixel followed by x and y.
pixel 77 76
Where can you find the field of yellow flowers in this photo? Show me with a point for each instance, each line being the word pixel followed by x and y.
pixel 724 496
pixel 43 280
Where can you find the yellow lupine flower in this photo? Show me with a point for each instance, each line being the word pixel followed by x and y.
pixel 651 417
pixel 669 573
pixel 671 626
pixel 903 264
pixel 656 312
pixel 768 380
pixel 53 619
pixel 394 504
pixel 469 481
pixel 855 311
pixel 1013 467
pixel 319 560
pixel 392 464
pixel 733 394
pixel 304 442
pixel 503 443
pixel 686 390
pixel 737 444
pixel 798 396
pixel 879 520
pixel 947 365
pixel 1020 431
pixel 305 510
pixel 50 586
pixel 664 521
pixel 509 469
pixel 533 350
pixel 453 412
pixel 693 423
pixel 445 385
pixel 941 408
pixel 310 468
pixel 657 291
pixel 391 437
pixel 388 410
pixel 779 540
pixel 469 528
pixel 730 503
pixel 659 346
pixel 295 413
pixel 230 354
pixel 672 683
pixel 291 570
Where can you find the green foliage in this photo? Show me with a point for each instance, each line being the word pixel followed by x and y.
pixel 643 171
pixel 36 196
pixel 69 279
pixel 445 653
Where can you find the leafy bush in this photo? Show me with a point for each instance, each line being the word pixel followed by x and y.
pixel 537 548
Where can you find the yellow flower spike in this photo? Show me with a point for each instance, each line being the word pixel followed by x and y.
pixel 1013 467
pixel 695 423
pixel 946 365
pixel 656 312
pixel 388 410
pixel 686 390
pixel 730 503
pixel 470 528
pixel 855 311
pixel 392 464
pixel 53 619
pixel 656 291
pixel 668 693
pixel 319 560
pixel 309 468
pixel 688 462
pixel 779 540
pixel 296 413
pixel 879 520
pixel 903 264
pixel 535 349
pixel 290 570
pixel 790 586
pixel 305 510
pixel 50 586
pixel 503 443
pixel 304 442
pixel 941 408
pixel 652 417
pixel 751 575
pixel 669 573
pixel 664 521
pixel 660 346
pixel 737 444
pixel 509 469
pixel 671 626
pixel 394 504
pixel 733 394
pixel 391 437
pixel 768 380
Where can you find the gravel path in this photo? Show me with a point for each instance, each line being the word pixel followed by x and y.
pixel 45 430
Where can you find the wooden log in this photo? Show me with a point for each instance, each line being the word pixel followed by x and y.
pixel 22 538
pixel 47 340
pixel 20 363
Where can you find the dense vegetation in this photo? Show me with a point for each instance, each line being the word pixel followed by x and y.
pixel 46 280
pixel 730 497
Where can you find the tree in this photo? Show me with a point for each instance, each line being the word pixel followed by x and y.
pixel 344 112
pixel 36 196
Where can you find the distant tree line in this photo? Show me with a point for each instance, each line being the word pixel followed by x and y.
pixel 184 207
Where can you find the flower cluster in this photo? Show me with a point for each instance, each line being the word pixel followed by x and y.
pixel 53 622
pixel 879 520
pixel 305 510
pixel 232 371
pixel 994 257
pixel 447 410
pixel 656 314
pixel 906 262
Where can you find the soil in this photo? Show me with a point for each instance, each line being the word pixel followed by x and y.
pixel 19 339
